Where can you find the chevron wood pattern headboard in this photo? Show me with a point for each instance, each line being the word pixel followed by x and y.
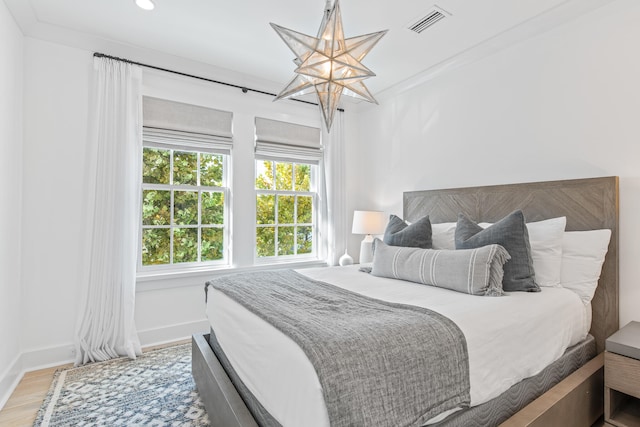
pixel 588 204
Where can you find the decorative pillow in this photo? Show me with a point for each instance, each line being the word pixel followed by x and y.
pixel 415 235
pixel 473 271
pixel 443 235
pixel 583 254
pixel 545 239
pixel 511 233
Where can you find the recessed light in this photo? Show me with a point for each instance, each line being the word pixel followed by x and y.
pixel 145 4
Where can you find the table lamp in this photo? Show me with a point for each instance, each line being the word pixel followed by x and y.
pixel 369 223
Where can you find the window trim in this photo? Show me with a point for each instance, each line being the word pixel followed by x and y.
pixel 313 192
pixel 151 281
pixel 180 146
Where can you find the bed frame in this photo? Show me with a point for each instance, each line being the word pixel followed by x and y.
pixel 588 204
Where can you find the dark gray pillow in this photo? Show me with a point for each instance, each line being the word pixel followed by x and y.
pixel 511 233
pixel 416 235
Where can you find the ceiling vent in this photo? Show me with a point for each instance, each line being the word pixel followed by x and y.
pixel 434 15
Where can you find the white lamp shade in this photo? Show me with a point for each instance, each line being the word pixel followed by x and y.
pixel 369 222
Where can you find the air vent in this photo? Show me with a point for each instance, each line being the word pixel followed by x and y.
pixel 433 16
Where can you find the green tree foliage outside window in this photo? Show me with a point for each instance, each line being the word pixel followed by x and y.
pixel 183 207
pixel 284 209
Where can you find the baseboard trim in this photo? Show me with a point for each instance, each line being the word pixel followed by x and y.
pixel 10 379
pixel 168 334
pixel 32 360
pixel 48 357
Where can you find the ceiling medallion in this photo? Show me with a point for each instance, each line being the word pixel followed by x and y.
pixel 329 64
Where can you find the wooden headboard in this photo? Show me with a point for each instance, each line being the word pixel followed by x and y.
pixel 588 204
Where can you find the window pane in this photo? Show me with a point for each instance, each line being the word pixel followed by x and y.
pixel 285 241
pixel 213 207
pixel 304 240
pixel 305 209
pixel 289 207
pixel 155 246
pixel 211 168
pixel 265 209
pixel 156 207
pixel 185 207
pixel 185 245
pixel 155 166
pixel 185 168
pixel 285 209
pixel 303 177
pixel 264 175
pixel 284 176
pixel 265 241
pixel 212 244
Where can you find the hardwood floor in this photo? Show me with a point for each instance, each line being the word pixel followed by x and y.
pixel 22 407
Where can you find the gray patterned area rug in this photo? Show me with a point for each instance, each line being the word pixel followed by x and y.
pixel 156 389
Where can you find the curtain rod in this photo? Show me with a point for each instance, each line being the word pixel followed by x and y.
pixel 244 89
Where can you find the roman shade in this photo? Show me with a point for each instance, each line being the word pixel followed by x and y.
pixel 283 140
pixel 186 126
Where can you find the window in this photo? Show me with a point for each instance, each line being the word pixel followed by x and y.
pixel 188 220
pixel 184 206
pixel 185 185
pixel 286 202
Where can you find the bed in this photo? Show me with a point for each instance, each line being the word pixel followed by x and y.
pixel 577 381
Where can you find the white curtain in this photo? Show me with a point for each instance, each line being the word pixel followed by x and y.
pixel 334 225
pixel 106 326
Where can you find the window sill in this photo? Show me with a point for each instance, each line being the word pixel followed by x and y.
pixel 152 281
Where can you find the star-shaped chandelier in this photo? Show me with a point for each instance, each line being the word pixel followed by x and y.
pixel 329 64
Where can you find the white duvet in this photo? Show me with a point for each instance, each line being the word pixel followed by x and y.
pixel 509 338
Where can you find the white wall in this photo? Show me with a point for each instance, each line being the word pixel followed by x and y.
pixel 56 105
pixel 58 82
pixel 11 67
pixel 565 104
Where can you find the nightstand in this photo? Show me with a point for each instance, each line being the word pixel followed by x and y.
pixel 622 377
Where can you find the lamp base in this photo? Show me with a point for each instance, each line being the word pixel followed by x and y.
pixel 366 249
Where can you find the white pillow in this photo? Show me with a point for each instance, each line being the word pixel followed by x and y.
pixel 583 254
pixel 545 239
pixel 443 235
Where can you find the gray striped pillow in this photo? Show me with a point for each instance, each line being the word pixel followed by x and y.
pixel 473 271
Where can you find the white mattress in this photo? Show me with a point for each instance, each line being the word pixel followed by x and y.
pixel 509 338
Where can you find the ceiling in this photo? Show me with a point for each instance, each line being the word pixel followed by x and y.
pixel 236 34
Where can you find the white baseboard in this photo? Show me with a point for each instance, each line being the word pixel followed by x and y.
pixel 42 358
pixel 48 357
pixel 10 379
pixel 167 334
pixel 32 360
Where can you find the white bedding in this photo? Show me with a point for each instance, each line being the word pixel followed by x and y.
pixel 509 338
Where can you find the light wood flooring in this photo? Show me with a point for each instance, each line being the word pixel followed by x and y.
pixel 22 407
